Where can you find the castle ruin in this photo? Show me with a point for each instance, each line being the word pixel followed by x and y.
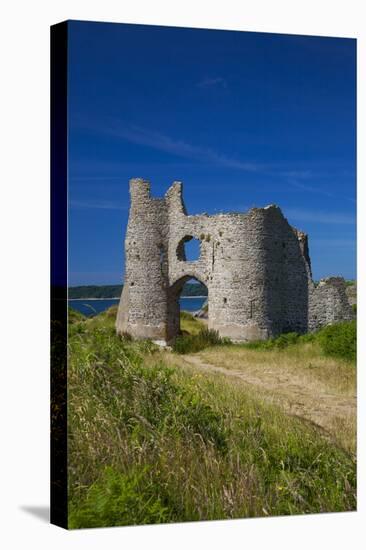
pixel 255 266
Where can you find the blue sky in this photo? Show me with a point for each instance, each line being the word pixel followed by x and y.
pixel 243 119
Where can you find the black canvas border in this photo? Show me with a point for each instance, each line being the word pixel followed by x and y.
pixel 59 55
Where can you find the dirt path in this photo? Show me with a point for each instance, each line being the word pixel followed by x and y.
pixel 322 408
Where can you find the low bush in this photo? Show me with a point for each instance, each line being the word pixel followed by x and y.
pixel 281 342
pixel 191 343
pixel 339 340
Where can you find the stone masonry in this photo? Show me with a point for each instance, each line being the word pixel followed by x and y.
pixel 255 265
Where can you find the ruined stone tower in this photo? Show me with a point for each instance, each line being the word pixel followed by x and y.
pixel 255 265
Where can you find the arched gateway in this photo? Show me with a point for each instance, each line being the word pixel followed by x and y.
pixel 255 265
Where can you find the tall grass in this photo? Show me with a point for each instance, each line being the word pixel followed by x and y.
pixel 337 340
pixel 150 443
pixel 190 325
pixel 191 343
pixel 195 336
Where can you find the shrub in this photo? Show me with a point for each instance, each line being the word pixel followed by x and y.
pixel 281 342
pixel 285 340
pixel 339 340
pixel 191 343
pixel 308 337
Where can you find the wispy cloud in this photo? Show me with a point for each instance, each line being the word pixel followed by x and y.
pixel 215 82
pixel 312 189
pixel 167 144
pixel 303 215
pixel 298 174
pixel 102 205
pixel 301 179
pixel 294 176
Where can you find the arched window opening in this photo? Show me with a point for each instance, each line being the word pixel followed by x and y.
pixel 189 249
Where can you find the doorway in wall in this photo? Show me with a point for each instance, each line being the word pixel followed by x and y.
pixel 188 298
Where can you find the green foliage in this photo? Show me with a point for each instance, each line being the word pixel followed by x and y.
pixel 281 342
pixel 76 323
pixel 199 418
pixel 75 316
pixel 186 316
pixel 194 289
pixel 120 499
pixel 115 291
pixel 191 343
pixel 287 339
pixel 189 324
pixel 354 308
pixel 339 340
pixel 94 291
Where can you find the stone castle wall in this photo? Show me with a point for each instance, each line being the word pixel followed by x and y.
pixel 328 303
pixel 255 265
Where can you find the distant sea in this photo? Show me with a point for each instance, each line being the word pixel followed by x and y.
pixel 93 307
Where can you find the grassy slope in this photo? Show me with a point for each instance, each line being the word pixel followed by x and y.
pixel 304 381
pixel 150 441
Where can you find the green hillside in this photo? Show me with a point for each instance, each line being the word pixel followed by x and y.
pixel 159 436
pixel 114 291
